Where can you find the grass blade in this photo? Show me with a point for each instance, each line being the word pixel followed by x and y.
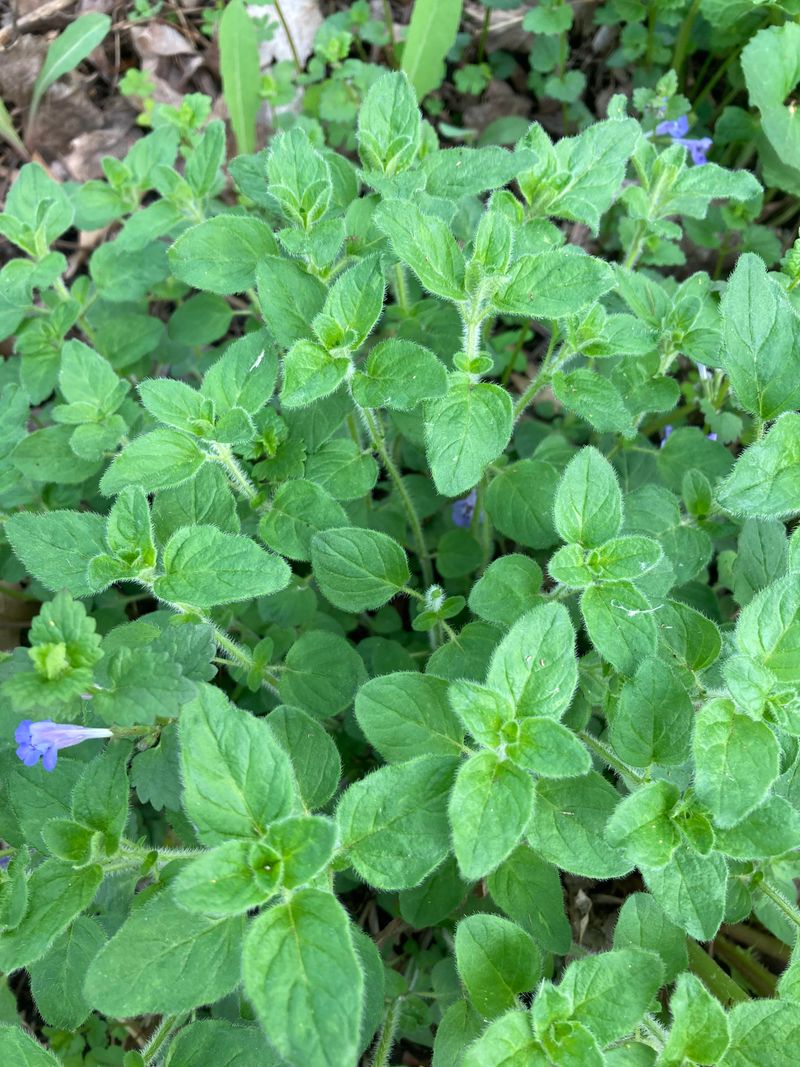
pixel 68 50
pixel 431 33
pixel 241 71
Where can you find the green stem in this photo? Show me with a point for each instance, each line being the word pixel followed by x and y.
pixel 472 338
pixel 512 359
pixel 603 752
pixel 167 1025
pixel 651 33
pixel 635 250
pixel 224 454
pixel 487 17
pixel 684 36
pixel 780 901
pixel 720 984
pixel 379 443
pixel 540 379
pixel 389 21
pixel 755 974
pixel 241 656
pixel 401 288
pixel 292 47
pixel 383 1049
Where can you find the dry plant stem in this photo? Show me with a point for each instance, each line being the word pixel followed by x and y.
pixel 26 22
pixel 289 38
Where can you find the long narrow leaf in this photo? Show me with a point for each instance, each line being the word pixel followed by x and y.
pixel 431 33
pixel 68 50
pixel 8 133
pixel 240 69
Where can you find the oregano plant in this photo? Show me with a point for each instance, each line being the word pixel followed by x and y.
pixel 363 625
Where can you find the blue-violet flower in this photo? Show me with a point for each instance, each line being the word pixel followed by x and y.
pixel 43 740
pixel 677 130
pixel 464 509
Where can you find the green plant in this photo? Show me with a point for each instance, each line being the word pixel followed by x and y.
pixel 393 646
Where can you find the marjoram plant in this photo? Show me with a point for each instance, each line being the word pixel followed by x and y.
pixel 350 626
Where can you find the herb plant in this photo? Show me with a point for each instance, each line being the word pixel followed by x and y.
pixel 350 625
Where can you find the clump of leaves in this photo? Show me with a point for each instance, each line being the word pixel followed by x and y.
pixel 340 632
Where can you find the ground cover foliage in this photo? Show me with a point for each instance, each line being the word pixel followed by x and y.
pixel 408 531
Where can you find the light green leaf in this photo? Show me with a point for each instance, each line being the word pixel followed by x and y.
pixel 568 824
pixel 393 823
pixel 528 889
pixel 57 547
pixel 157 460
pixel 68 50
pixel 389 124
pixel 407 714
pixel 619 621
pixel 691 890
pixel 315 758
pixel 643 924
pixel 548 749
pixel 426 244
pixel 594 399
pixel 768 629
pixel 57 978
pixel 551 285
pixel 164 959
pixel 310 372
pixel 465 430
pixel 588 503
pixel 534 665
pixel 220 1042
pixel 431 34
pixel 304 980
pixel 611 991
pixel 490 806
pixel 220 255
pixel 761 1032
pixel 240 70
pixel 228 880
pixel 56 894
pixel 654 717
pixel 699 1029
pixel 358 570
pixel 496 960
pixel 19 1048
pixel 641 824
pixel 520 502
pixel 399 375
pixel 204 567
pixel 321 673
pixel 237 778
pixel 736 761
pixel 765 482
pixel 761 335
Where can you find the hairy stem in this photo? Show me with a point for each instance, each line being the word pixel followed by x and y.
pixel 379 443
pixel 165 1028
pixel 383 1049
pixel 603 752
pixel 223 454
pixel 540 379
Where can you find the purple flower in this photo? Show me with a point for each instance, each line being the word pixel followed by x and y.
pixel 4 862
pixel 711 436
pixel 43 740
pixel 665 435
pixel 677 130
pixel 463 509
